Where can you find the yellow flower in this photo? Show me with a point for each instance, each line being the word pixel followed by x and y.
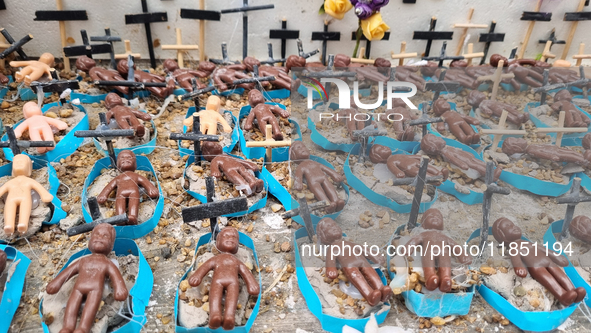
pixel 337 8
pixel 374 27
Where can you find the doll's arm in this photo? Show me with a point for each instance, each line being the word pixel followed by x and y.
pixel 141 115
pixel 297 179
pixel 20 63
pixel 331 265
pixel 20 129
pixel 279 111
pixel 150 188
pixel 518 266
pixel 57 123
pixel 225 125
pixel 250 165
pixel 43 193
pixel 471 120
pixel 556 257
pixel 331 173
pixel 252 286
pixel 109 115
pixel 102 197
pixel 54 286
pixel 463 258
pixel 249 120
pixel 196 278
pixel 120 291
pixel 4 189
pixel 215 168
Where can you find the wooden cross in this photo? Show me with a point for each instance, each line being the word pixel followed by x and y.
pixel 325 36
pixel 128 51
pixel 442 56
pixel 201 15
pixel 109 39
pixel 196 136
pixel 180 48
pixel 87 49
pixel 551 40
pixel 488 38
pixel 496 79
pixel 432 35
pixel 13 46
pixel 61 16
pixel 367 52
pixel 402 55
pixel 579 15
pixel 561 130
pixel 269 144
pixel 491 188
pixel 581 55
pixel 532 17
pixel 465 27
pixel 361 60
pixel 146 18
pixel 500 131
pixel 471 54
pixel 97 218
pixel 572 199
pixel 284 35
pixel 16 145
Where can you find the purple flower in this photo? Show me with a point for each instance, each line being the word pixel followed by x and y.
pixel 377 4
pixel 363 11
pixel 353 2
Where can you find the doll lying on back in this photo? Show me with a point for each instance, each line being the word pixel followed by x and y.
pixel 402 165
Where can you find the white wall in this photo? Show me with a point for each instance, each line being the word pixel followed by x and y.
pixel 403 19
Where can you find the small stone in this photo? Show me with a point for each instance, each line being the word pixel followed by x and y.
pixel 181 258
pixel 488 270
pixel 156 259
pixel 276 207
pixel 437 321
pixel 165 320
pixel 282 316
pixel 519 291
pixel 6 105
pixel 285 246
pixel 187 242
pixel 66 112
pixel 205 307
pixel 277 248
pixel 166 253
pixel 534 302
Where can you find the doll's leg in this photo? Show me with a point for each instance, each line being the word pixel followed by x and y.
pixel 35 135
pixel 235 177
pixel 91 306
pixel 444 261
pixel 544 276
pixel 431 277
pixel 256 185
pixel 332 194
pixel 374 280
pixel 216 292
pixel 133 206
pixel 372 296
pixel 319 194
pixel 232 291
pixel 71 313
pixel 24 214
pixel 10 207
pixel 20 75
pixel 563 280
pixel 277 135
pixel 139 128
pixel 120 205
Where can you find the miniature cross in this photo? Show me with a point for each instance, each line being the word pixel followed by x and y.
pixel 225 59
pixel 532 17
pixel 361 60
pixel 180 48
pixel 581 55
pixel 195 94
pixel 16 145
pixel 304 211
pixel 325 36
pixel 87 49
pixel 402 55
pixel 491 188
pixel 432 35
pixel 131 83
pixel 471 54
pixel 272 60
pixel 424 120
pixel 329 73
pixel 284 35
pixel 301 52
pixel 465 27
pixel 561 130
pixel 367 48
pixel 269 143
pixel 575 17
pixel 128 52
pixel 62 16
pixel 196 136
pixel 2 5
pixel 363 137
pixel 244 10
pixel 255 79
pixel 55 85
pixel 501 130
pixel 442 56
pixel 419 182
pixel 488 38
pixel 104 131
pixel 496 79
pixel 549 87
pixel 146 18
pixel 14 46
pixel 109 39
pixel 441 85
pixel 97 219
pixel 549 42
pixel 572 199
pixel 201 15
pixel 214 209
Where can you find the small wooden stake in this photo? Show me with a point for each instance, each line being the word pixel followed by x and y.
pixel 496 78
pixel 401 56
pixel 202 33
pixel 530 29
pixel 465 27
pixel 573 29
pixel 361 60
pixel 500 131
pixel 546 53
pixel 180 48
pixel 269 144
pixel 580 56
pixel 127 51
pixel 561 130
pixel 3 46
pixel 60 6
pixel 471 55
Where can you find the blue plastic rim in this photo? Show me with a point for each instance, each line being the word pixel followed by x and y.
pixel 277 94
pixel 329 323
pixel 434 131
pixel 585 180
pixel 13 290
pixel 139 294
pixel 143 149
pixel 66 147
pixel 235 136
pixel 127 231
pixel 574 139
pixel 246 241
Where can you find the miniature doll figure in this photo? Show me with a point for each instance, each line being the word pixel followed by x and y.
pixel 400 117
pixel 562 75
pixel 125 117
pixel 39 126
pixel 573 117
pixel 370 73
pixel 3 259
pixel 19 194
pixel 4 79
pixel 458 124
pixel 457 73
pixel 579 228
pixel 282 79
pixel 92 271
pixel 226 75
pixel 522 74
pixel 356 268
pixel 544 265
pixel 402 165
pixel 210 118
pixel 435 146
pixel 316 176
pixel 226 269
pixel 239 172
pixel 553 153
pixel 265 114
pixel 353 124
pixel 586 141
pixel 127 185
pixel 88 65
pixel 409 74
pixel 429 69
pixel 33 70
pixel 437 269
pixel 495 108
pixel 141 76
pixel 184 76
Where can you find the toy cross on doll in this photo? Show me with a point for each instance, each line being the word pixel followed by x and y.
pixel 255 79
pixel 109 39
pixel 301 52
pixel 439 86
pixel 16 145
pixel 97 219
pixel 543 90
pixel 146 18
pixel 304 212
pixel 14 46
pixel 272 61
pixel 491 188
pixel 572 199
pixel 87 49
pixel 424 120
pixel 131 82
pixel 225 59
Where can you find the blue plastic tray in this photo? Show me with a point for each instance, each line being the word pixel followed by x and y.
pixel 13 290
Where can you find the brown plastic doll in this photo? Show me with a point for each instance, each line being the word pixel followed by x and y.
pixel 356 268
pixel 573 117
pixel 226 75
pixel 437 269
pixel 370 73
pixel 525 75
pixel 184 76
pixel 18 191
pixel 546 267
pixel 409 74
pixel 88 65
pixel 402 165
pixel 3 259
pixel 92 271
pixel 264 114
pixel 141 76
pixel 39 126
pixel 458 124
pixel 226 269
pixel 210 118
pixel 282 79
pixel 495 108
pixel 316 175
pixel 457 73
pixel 239 172
pixel 33 70
pixel 579 228
pixel 399 116
pixel 4 79
pixel 553 153
pixel 435 146
pixel 127 185
pixel 125 117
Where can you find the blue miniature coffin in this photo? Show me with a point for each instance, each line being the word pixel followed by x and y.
pixel 234 137
pixel 139 295
pixel 246 241
pixel 574 139
pixel 433 131
pixel 13 290
pixel 127 231
pixel 276 94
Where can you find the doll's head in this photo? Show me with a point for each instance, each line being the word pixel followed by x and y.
pixel 250 62
pixel 328 231
pixel 580 228
pixel 211 149
pixel 379 153
pixel 47 58
pixel 228 240
pixel 214 103
pixel 22 166
pixel 505 231
pixel 102 239
pixel 475 97
pixel 298 151
pixel 563 95
pixel 432 145
pixel 441 106
pixel 495 58
pixel 514 146
pixel 112 100
pixel 31 109
pixel 170 65
pixel 85 63
pixel 126 161
pixel 432 219
pixel 123 67
pixel 255 98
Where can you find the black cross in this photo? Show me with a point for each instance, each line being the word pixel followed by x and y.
pixel 244 10
pixel 441 85
pixel 536 16
pixel 202 15
pixel 225 59
pixel 55 85
pixel 16 145
pixel 109 39
pixel 577 16
pixel 104 131
pixel 97 219
pixel 304 211
pixel 544 89
pixel 271 60
pixel 87 49
pixel 212 210
pixel 367 42
pixel 284 35
pixel 255 79
pixel 196 136
pixel 552 39
pixel 442 56
pixel 325 36
pixel 195 94
pixel 424 120
pixel 419 181
pixel 2 5
pixel 572 199
pixel 301 52
pixel 548 87
pixel 146 18
pixel 491 188
pixel 432 35
pixel 488 38
pixel 15 46
pixel 409 1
